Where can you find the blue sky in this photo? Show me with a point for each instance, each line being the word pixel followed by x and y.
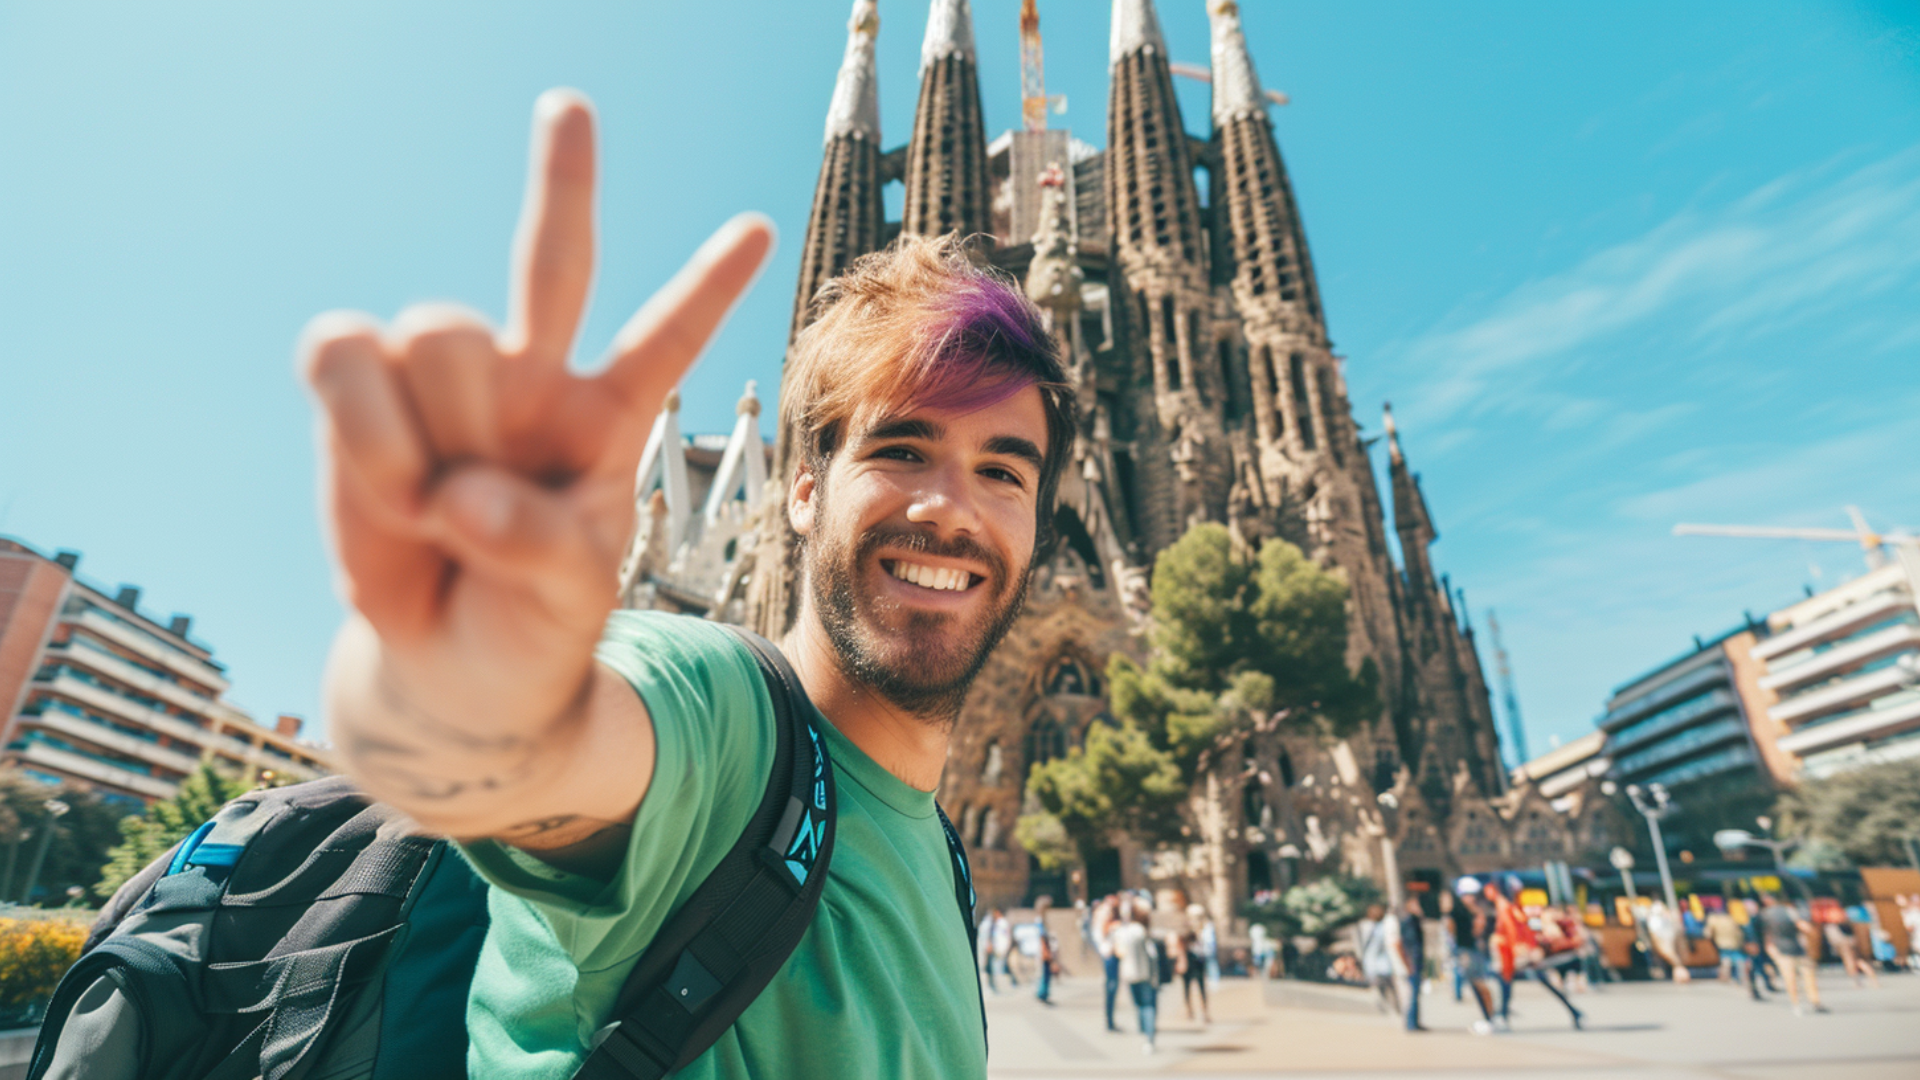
pixel 1616 266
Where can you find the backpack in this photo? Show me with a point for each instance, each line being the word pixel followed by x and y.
pixel 306 933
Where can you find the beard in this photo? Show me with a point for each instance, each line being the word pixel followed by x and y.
pixel 921 661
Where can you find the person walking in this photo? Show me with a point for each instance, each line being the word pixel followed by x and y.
pixel 1787 935
pixel 1376 933
pixel 1760 965
pixel 1261 947
pixel 1518 953
pixel 1663 929
pixel 1045 951
pixel 1842 945
pixel 1471 927
pixel 1410 949
pixel 1190 964
pixel 1729 942
pixel 1107 918
pixel 1140 969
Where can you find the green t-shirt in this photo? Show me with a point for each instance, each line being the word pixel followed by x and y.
pixel 882 985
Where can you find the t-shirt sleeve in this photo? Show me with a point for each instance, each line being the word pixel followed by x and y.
pixel 714 747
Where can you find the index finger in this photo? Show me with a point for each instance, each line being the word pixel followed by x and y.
pixel 553 247
pixel 664 337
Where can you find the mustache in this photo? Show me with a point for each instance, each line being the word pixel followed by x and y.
pixel 917 542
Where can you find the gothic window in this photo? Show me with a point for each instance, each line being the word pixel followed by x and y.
pixel 1046 740
pixel 1286 768
pixel 1323 383
pixel 994 764
pixel 1193 348
pixel 1068 677
pixel 1303 410
pixel 1273 391
pixel 1170 331
pixel 1236 403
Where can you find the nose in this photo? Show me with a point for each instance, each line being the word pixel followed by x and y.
pixel 945 500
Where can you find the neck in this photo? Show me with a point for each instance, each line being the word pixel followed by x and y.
pixel 910 746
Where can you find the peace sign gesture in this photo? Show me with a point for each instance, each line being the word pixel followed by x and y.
pixel 480 494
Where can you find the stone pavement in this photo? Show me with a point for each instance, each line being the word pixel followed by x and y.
pixel 1647 1031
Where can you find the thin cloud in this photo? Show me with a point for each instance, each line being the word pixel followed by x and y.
pixel 1800 247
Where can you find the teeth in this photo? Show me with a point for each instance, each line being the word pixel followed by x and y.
pixel 930 577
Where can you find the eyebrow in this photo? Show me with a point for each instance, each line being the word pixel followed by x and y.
pixel 928 431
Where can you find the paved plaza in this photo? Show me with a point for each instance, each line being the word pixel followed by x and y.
pixel 1647 1031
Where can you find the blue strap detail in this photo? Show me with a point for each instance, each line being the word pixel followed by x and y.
pixel 183 855
pixel 216 855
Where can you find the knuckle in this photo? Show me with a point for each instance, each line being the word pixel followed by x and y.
pixel 441 329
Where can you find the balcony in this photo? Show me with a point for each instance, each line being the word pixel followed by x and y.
pixel 1841 657
pixel 1726 729
pixel 1870 724
pixel 118 741
pixel 85 655
pixel 1676 717
pixel 1677 690
pixel 112 704
pixel 1853 691
pixel 188 667
pixel 97 771
pixel 1831 625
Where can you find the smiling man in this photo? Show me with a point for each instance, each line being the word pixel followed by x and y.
pixel 597 765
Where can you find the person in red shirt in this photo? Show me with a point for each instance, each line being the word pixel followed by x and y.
pixel 1517 953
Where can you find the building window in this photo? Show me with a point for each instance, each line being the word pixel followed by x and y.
pixel 1303 408
pixel 1170 330
pixel 1328 413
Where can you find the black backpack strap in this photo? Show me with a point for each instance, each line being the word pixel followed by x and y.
pixel 963 895
pixel 731 936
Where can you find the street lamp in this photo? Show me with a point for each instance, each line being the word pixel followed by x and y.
pixel 1653 802
pixel 55 808
pixel 1732 840
pixel 1389 802
pixel 1622 860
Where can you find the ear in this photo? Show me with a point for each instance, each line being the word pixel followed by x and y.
pixel 800 502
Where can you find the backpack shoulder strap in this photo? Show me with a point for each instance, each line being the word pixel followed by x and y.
pixel 731 936
pixel 964 896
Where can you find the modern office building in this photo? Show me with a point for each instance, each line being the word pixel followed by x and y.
pixel 1694 718
pixel 1561 771
pixel 99 694
pixel 1845 665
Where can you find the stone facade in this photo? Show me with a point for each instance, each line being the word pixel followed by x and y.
pixel 1209 391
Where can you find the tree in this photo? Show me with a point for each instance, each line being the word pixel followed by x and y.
pixel 80 839
pixel 1867 814
pixel 1238 641
pixel 146 837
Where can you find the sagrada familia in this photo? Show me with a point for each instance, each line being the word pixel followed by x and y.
pixel 1209 390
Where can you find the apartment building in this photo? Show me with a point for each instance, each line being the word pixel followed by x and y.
pixel 1693 718
pixel 1845 667
pixel 1563 770
pixel 102 695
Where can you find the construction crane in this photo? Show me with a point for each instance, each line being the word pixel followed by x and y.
pixel 1906 548
pixel 1507 696
pixel 1201 73
pixel 1034 101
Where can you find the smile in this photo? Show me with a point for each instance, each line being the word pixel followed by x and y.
pixel 937 578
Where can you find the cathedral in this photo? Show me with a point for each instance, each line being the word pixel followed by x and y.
pixel 1175 273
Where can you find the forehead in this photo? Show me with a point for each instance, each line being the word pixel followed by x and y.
pixel 1022 415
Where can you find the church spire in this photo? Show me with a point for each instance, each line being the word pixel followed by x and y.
pixel 856 97
pixel 946 181
pixel 1236 88
pixel 1410 516
pixel 1135 27
pixel 847 209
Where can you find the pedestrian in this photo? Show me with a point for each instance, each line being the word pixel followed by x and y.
pixel 1262 947
pixel 1471 928
pixel 1190 964
pixel 1003 946
pixel 996 941
pixel 1663 930
pixel 1760 965
pixel 1410 949
pixel 1107 918
pixel 1728 941
pixel 1210 949
pixel 1045 951
pixel 1140 970
pixel 1517 950
pixel 1376 933
pixel 1910 920
pixel 1788 935
pixel 596 763
pixel 1843 947
pixel 1455 973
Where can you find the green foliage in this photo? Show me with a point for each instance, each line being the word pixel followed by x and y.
pixel 1046 839
pixel 1321 907
pixel 1236 638
pixel 1274 915
pixel 144 838
pixel 80 837
pixel 1865 814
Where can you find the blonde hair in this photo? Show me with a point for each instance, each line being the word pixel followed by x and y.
pixel 921 324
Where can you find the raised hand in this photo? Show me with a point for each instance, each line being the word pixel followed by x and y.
pixel 480 494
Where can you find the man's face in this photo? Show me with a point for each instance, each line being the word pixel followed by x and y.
pixel 919 543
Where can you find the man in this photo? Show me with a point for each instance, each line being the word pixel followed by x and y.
pixel 1107 919
pixel 1472 927
pixel 1728 941
pixel 1754 946
pixel 1787 935
pixel 1043 950
pixel 1140 967
pixel 596 769
pixel 1376 933
pixel 1410 948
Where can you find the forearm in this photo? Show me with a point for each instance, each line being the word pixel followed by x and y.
pixel 542 770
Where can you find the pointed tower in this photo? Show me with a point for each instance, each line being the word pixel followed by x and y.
pixel 947 183
pixel 1411 520
pixel 847 215
pixel 847 221
pixel 1159 250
